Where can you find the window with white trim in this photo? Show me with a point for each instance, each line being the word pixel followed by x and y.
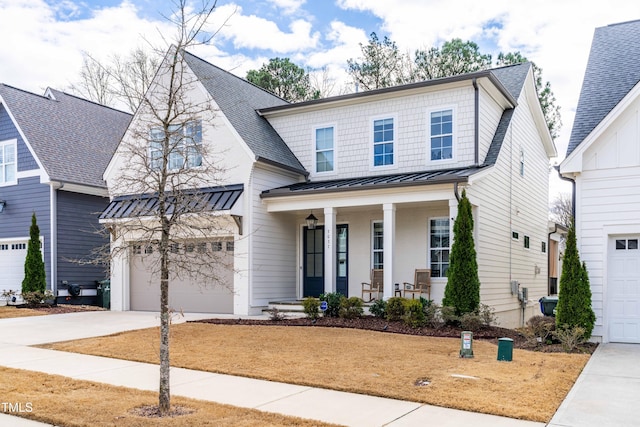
pixel 8 164
pixel 184 146
pixel 377 245
pixel 383 142
pixel 324 148
pixel 439 246
pixel 441 135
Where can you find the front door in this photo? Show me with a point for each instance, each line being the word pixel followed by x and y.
pixel 342 251
pixel 313 269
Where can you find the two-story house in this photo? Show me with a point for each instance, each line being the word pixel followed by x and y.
pixel 603 159
pixel 382 172
pixel 53 149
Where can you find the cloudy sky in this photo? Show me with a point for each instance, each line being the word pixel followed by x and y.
pixel 43 40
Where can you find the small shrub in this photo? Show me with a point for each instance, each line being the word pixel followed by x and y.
pixel 37 298
pixel 432 316
pixel 449 316
pixel 276 315
pixel 541 328
pixel 333 303
pixel 570 337
pixel 311 307
pixel 471 321
pixel 395 308
pixel 351 308
pixel 379 308
pixel 487 315
pixel 414 313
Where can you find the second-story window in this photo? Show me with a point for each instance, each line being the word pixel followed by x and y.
pixel 383 141
pixel 184 146
pixel 324 149
pixel 441 135
pixel 8 162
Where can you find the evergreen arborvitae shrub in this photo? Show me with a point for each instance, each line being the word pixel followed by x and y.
pixel 574 298
pixel 34 274
pixel 463 285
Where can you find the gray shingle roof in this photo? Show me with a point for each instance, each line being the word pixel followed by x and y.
pixel 612 71
pixel 238 99
pixel 73 138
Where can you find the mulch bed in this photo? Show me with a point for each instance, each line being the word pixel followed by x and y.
pixel 491 334
pixel 66 308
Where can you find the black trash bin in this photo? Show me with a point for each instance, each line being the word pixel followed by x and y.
pixel 548 305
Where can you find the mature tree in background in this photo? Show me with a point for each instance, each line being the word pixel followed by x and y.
pixel 453 58
pixel 35 279
pixel 120 82
pixel 381 65
pixel 462 290
pixel 166 157
pixel 574 298
pixel 548 102
pixel 285 79
pixel 561 209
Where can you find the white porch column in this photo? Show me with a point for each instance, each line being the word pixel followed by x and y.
pixel 329 250
pixel 389 241
pixel 453 214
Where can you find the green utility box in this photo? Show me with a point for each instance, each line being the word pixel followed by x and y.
pixel 505 349
pixel 548 305
pixel 104 293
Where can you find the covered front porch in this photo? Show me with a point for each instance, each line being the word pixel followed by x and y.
pixel 397 228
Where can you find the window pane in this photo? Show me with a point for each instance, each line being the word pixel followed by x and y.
pixel 10 154
pixel 621 244
pixel 439 246
pixel 632 244
pixel 441 135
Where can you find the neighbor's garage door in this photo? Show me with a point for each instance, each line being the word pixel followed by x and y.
pixel 12 256
pixel 624 290
pixel 184 295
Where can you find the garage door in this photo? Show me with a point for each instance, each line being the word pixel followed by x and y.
pixel 185 294
pixel 624 290
pixel 12 256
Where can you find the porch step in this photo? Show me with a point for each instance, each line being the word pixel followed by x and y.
pixel 294 306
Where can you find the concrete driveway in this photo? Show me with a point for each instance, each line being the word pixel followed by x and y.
pixel 607 393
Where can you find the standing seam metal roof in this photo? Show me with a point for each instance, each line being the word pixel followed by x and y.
pixel 73 138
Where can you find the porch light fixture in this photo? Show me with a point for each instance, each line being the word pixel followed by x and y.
pixel 3 203
pixel 312 221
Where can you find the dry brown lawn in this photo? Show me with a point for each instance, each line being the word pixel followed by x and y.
pixel 60 401
pixel 7 311
pixel 530 387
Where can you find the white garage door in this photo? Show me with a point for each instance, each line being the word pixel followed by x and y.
pixel 185 295
pixel 624 290
pixel 12 256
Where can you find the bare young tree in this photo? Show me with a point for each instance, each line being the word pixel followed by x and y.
pixel 561 209
pixel 163 172
pixel 95 82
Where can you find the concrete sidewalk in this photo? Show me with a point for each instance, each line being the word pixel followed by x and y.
pixel 345 408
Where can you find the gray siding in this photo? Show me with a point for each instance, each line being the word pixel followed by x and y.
pixel 8 131
pixel 77 237
pixel 27 197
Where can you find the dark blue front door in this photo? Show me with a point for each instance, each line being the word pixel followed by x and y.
pixel 313 270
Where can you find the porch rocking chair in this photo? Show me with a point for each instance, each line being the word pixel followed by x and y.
pixel 421 284
pixel 375 286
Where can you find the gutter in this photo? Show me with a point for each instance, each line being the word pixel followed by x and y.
pixel 476 122
pixel 573 192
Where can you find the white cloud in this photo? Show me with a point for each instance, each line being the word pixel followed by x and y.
pixel 254 32
pixel 288 6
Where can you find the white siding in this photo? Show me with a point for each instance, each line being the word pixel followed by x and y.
pixel 508 201
pixel 272 237
pixel 608 200
pixel 353 125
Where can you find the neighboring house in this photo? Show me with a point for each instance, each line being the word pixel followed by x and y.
pixel 381 170
pixel 603 158
pixel 556 248
pixel 53 150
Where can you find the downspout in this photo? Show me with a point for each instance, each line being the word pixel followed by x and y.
pixel 573 192
pixel 476 123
